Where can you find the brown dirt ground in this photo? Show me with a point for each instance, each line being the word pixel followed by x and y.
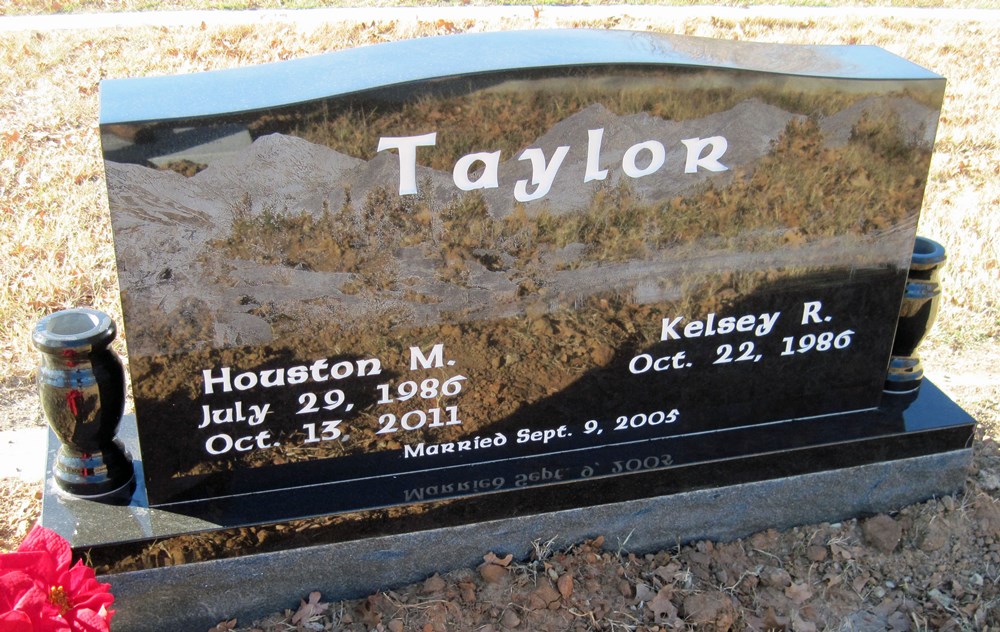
pixel 931 566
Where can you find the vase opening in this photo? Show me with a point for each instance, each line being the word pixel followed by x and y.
pixel 74 324
pixel 927 252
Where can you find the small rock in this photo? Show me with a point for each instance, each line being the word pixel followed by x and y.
pixel 801 625
pixel 433 584
pixel 775 577
pixel 989 480
pixel 644 593
pixel 987 515
pixel 396 625
pixel 772 621
pixel 468 591
pixel 934 537
pixel 542 327
pixel 565 585
pixel 957 590
pixel 816 552
pixel 882 533
pixel 898 621
pixel 510 619
pixel 492 573
pixel 942 599
pixel 625 589
pixel 547 594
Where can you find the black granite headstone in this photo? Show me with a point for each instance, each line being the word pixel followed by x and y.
pixel 554 268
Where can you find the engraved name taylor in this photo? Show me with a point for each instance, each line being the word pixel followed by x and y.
pixel 641 159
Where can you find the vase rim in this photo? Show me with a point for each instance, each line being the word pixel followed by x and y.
pixel 73 328
pixel 927 252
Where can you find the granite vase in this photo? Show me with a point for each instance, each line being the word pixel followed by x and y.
pixel 81 383
pixel 921 300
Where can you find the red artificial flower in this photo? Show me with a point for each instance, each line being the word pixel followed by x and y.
pixel 41 592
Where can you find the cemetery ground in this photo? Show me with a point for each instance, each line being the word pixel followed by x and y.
pixel 935 565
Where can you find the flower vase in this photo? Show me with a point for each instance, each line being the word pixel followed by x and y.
pixel 81 383
pixel 921 300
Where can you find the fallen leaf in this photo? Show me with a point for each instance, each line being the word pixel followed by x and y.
pixel 370 615
pixel 859 583
pixel 491 558
pixel 667 573
pixel 661 606
pixel 799 592
pixel 309 610
pixel 843 552
pixel 801 625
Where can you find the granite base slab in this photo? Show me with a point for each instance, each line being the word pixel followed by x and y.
pixel 215 590
pixel 187 566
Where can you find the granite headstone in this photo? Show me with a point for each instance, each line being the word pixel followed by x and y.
pixel 481 277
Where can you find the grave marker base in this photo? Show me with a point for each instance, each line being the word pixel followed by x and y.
pixel 829 468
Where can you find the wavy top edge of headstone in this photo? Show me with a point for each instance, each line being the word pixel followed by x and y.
pixel 348 71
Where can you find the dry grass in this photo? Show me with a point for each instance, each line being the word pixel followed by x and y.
pixel 20 504
pixel 29 7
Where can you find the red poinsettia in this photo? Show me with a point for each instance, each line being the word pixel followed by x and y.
pixel 41 592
